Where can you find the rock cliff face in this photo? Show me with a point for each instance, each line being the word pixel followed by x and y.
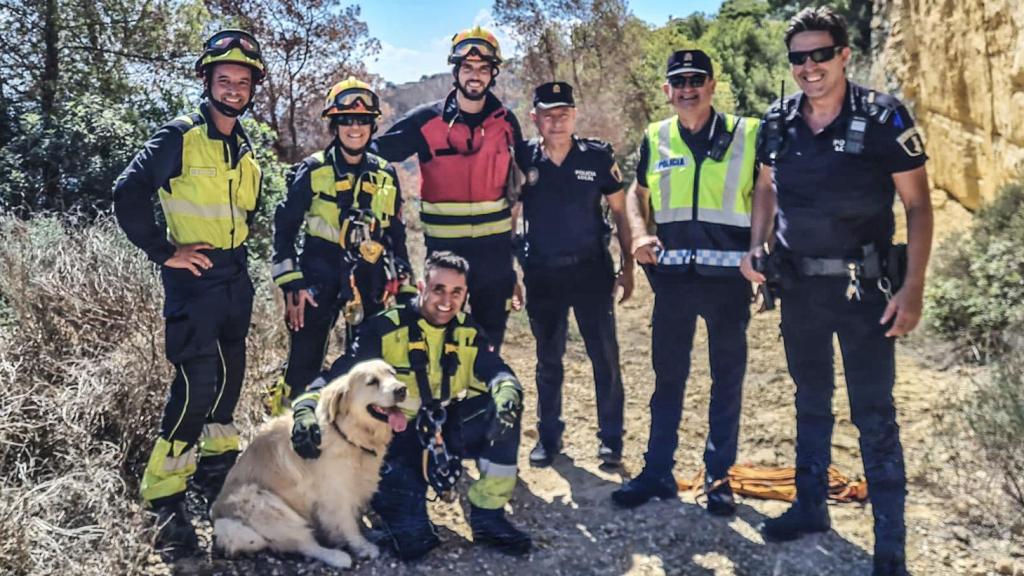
pixel 959 64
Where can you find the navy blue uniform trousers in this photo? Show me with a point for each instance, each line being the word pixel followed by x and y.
pixel 206 343
pixel 586 287
pixel 724 303
pixel 813 309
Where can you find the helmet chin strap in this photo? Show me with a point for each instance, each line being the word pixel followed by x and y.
pixel 353 151
pixel 225 108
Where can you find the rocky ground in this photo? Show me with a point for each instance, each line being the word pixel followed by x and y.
pixel 577 530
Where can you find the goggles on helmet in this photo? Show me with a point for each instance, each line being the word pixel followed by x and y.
pixel 221 42
pixel 354 101
pixel 474 47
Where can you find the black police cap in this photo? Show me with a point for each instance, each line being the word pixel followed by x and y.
pixel 553 95
pixel 689 61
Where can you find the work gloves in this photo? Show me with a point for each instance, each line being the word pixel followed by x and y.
pixel 508 401
pixel 306 431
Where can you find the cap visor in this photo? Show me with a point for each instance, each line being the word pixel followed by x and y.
pixel 688 70
pixel 550 105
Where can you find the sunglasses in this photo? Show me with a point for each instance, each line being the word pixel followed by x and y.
pixel 695 81
pixel 221 43
pixel 819 55
pixel 353 120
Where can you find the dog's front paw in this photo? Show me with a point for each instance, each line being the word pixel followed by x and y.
pixel 365 550
pixel 336 558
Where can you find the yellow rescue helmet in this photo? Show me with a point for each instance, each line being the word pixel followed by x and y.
pixel 475 42
pixel 235 47
pixel 351 96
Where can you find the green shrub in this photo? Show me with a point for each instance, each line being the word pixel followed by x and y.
pixel 976 291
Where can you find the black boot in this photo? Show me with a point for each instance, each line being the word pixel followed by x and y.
pixel 808 514
pixel 211 471
pixel 644 487
pixel 720 498
pixel 405 519
pixel 175 533
pixel 492 528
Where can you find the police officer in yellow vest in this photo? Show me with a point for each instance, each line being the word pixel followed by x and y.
pixel 202 168
pixel 464 399
pixel 695 178
pixel 351 204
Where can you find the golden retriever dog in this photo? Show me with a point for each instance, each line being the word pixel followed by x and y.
pixel 273 498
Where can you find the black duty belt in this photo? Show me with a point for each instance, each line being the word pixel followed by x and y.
pixel 868 267
pixel 561 261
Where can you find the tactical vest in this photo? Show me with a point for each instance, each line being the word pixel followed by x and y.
pixel 395 346
pixel 211 199
pixel 372 189
pixel 464 194
pixel 712 193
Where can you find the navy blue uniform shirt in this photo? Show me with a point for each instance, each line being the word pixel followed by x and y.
pixel 831 203
pixel 562 204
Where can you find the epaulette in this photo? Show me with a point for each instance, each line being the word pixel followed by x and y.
pixel 594 144
pixel 878 106
pixel 786 107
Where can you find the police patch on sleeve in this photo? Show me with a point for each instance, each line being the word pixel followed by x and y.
pixel 616 173
pixel 910 141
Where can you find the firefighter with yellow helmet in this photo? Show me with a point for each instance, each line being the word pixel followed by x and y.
pixel 347 202
pixel 202 168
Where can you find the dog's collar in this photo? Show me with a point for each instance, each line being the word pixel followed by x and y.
pixel 346 439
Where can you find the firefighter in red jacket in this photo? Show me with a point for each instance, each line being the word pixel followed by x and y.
pixel 465 145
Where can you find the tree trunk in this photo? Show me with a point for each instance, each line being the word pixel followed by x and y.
pixel 48 82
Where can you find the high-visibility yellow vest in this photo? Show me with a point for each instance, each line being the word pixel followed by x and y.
pixel 211 198
pixel 323 219
pixel 395 351
pixel 724 189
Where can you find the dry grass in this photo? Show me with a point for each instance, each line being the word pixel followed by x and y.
pixel 83 383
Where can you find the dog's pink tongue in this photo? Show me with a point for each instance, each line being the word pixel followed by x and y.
pixel 397 421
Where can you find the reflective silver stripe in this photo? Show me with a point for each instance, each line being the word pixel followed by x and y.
pixel 287 265
pixel 723 258
pixel 463 208
pixel 186 460
pixel 734 172
pixel 492 470
pixel 220 431
pixel 209 211
pixel 319 227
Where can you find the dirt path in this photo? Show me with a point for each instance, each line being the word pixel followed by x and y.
pixel 576 529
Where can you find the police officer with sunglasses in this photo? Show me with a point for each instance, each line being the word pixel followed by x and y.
pixel 694 183
pixel 465 145
pixel 203 169
pixel 348 202
pixel 836 154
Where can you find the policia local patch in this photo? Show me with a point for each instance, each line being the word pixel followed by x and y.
pixel 910 141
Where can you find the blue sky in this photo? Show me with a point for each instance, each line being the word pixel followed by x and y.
pixel 414 34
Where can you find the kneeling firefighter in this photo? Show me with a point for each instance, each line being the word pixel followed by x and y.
pixel 354 251
pixel 465 401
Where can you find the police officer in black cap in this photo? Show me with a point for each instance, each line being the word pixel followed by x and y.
pixel 695 180
pixel 567 264
pixel 837 153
